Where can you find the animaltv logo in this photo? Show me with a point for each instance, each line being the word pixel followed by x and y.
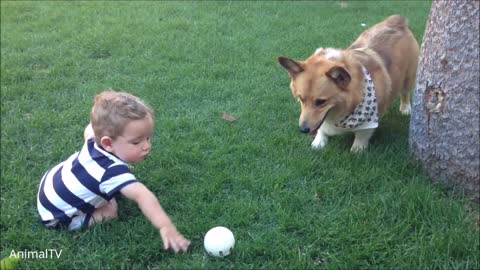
pixel 36 254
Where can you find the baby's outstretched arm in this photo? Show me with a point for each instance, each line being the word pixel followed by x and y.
pixel 151 208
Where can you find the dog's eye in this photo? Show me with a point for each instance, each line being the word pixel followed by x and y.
pixel 319 102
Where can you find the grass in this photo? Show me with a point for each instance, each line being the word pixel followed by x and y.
pixel 288 206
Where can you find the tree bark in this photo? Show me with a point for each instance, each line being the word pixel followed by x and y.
pixel 444 127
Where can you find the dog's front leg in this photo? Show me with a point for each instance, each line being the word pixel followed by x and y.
pixel 320 140
pixel 361 140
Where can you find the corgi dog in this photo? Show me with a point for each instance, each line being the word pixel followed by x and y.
pixel 346 90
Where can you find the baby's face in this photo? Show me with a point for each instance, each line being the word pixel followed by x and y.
pixel 135 142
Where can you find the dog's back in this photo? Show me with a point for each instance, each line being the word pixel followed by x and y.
pixel 395 44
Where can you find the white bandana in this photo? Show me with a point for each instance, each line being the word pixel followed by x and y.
pixel 365 115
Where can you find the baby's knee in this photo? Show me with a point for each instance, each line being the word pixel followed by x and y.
pixel 112 209
pixel 113 204
pixel 105 213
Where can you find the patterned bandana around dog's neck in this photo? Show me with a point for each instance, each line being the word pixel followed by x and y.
pixel 365 115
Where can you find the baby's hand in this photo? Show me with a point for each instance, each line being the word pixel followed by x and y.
pixel 173 239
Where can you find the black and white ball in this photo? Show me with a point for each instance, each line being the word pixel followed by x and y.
pixel 219 242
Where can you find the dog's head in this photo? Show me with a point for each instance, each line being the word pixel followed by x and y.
pixel 319 83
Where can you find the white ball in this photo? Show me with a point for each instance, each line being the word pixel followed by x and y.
pixel 219 242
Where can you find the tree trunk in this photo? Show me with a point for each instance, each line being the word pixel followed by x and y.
pixel 444 127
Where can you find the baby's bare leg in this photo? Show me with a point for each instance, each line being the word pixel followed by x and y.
pixel 104 213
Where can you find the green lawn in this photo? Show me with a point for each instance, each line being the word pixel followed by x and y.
pixel 288 206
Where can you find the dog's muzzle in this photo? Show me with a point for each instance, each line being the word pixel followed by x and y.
pixel 304 128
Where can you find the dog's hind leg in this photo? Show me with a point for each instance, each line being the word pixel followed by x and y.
pixel 408 85
pixel 405 106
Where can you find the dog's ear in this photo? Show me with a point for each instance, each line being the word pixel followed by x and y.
pixel 293 67
pixel 340 76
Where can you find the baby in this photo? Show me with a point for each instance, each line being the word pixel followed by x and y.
pixel 79 192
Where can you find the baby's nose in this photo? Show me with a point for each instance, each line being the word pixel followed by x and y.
pixel 147 146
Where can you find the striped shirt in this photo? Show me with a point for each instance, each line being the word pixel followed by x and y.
pixel 87 180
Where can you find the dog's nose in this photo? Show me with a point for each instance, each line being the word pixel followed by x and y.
pixel 304 129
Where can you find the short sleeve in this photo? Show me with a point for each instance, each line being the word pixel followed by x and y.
pixel 115 178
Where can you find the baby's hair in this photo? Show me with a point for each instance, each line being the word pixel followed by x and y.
pixel 113 110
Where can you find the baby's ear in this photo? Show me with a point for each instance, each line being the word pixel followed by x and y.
pixel 106 143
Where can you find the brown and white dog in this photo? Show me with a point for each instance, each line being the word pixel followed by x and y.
pixel 346 90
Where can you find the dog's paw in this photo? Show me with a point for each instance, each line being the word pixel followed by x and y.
pixel 319 142
pixel 405 109
pixel 358 148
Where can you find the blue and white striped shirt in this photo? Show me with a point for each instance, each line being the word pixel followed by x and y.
pixel 87 180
